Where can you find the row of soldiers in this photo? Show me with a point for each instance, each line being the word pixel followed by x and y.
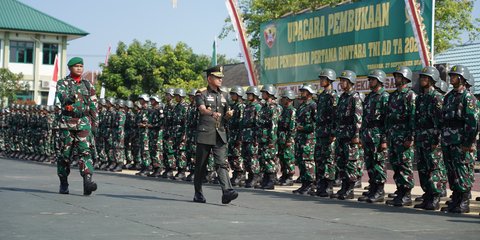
pixel 327 138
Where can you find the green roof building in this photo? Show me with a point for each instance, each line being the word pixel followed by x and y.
pixel 29 42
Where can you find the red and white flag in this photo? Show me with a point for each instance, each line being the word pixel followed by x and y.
pixel 53 84
pixel 242 39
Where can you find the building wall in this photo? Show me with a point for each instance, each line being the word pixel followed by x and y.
pixel 34 73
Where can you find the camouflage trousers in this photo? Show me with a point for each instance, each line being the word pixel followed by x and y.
pixel 75 147
pixel 234 151
pixel 169 153
pixel 144 148
pixel 304 156
pixel 191 150
pixel 325 159
pixel 287 159
pixel 102 156
pixel 429 168
pixel 349 158
pixel 156 148
pixel 129 139
pixel 401 159
pixel 460 170
pixel 250 156
pixel 375 162
pixel 267 156
pixel 180 152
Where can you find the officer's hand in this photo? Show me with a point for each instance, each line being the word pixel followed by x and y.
pixel 216 115
pixel 332 139
pixel 288 144
pixel 355 140
pixel 229 114
pixel 468 149
pixel 383 146
pixel 408 144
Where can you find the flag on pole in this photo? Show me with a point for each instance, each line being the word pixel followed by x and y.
pixel 102 90
pixel 242 39
pixel 214 53
pixel 419 31
pixel 53 84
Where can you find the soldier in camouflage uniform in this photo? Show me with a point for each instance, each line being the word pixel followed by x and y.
pixel 348 119
pixel 136 153
pixel 192 123
pixel 169 134
pixel 179 129
pixel 78 101
pixel 305 139
pixel 156 117
pixel 249 126
pixel 286 138
pixel 267 136
pixel 428 117
pixel 101 132
pixel 459 134
pixel 143 136
pixel 373 136
pixel 110 125
pixel 119 136
pixel 400 124
pixel 325 134
pixel 235 158
pixel 129 134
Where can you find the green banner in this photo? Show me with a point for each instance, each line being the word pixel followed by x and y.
pixel 357 36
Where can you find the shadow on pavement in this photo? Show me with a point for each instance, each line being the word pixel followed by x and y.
pixel 28 190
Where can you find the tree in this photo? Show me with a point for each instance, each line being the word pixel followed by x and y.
pixel 452 18
pixel 9 85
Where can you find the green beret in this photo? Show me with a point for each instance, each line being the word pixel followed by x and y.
pixel 75 60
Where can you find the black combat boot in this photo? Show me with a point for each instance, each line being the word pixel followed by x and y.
pixel 421 198
pixel 358 184
pixel 426 198
pixel 342 190
pixel 454 201
pixel 118 168
pixel 256 182
pixel 270 184
pixel 142 172
pixel 305 188
pixel 112 166
pixel 168 173
pixel 96 165
pixel 403 198
pixel 248 182
pixel 395 194
pixel 263 181
pixel 157 172
pixel 349 193
pixel 190 176
pixel 477 199
pixel 328 189
pixel 104 166
pixel 433 203
pixel 199 198
pixel 321 185
pixel 89 186
pixel 229 195
pixel 378 195
pixel 288 181
pixel 180 176
pixel 63 185
pixel 369 193
pixel 237 179
pixel 463 205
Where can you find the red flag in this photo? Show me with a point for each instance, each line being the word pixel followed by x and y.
pixel 55 69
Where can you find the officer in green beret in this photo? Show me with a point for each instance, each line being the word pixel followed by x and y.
pixel 211 135
pixel 79 115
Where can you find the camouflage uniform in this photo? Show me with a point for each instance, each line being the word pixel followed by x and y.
pixel 79 114
pixel 305 141
pixel 130 129
pixel 192 123
pixel 286 142
pixel 179 129
pixel 119 136
pixel 373 134
pixel 349 156
pixel 169 135
pixel 268 126
pixel 400 124
pixel 459 131
pixel 156 120
pixel 249 126
pixel 235 157
pixel 143 137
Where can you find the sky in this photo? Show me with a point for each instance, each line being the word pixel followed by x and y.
pixel 194 22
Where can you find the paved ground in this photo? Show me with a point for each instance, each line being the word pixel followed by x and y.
pixel 130 207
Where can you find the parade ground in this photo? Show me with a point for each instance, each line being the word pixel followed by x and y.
pixel 131 207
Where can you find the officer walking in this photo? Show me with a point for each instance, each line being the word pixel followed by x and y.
pixel 78 102
pixel 211 136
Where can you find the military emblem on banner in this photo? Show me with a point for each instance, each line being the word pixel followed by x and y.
pixel 270 33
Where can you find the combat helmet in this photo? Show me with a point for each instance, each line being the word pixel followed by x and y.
pixel 330 74
pixel 237 90
pixel 253 90
pixel 378 74
pixel 405 72
pixel 349 75
pixel 289 94
pixel 307 87
pixel 431 72
pixel 269 88
pixel 180 92
pixel 144 96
